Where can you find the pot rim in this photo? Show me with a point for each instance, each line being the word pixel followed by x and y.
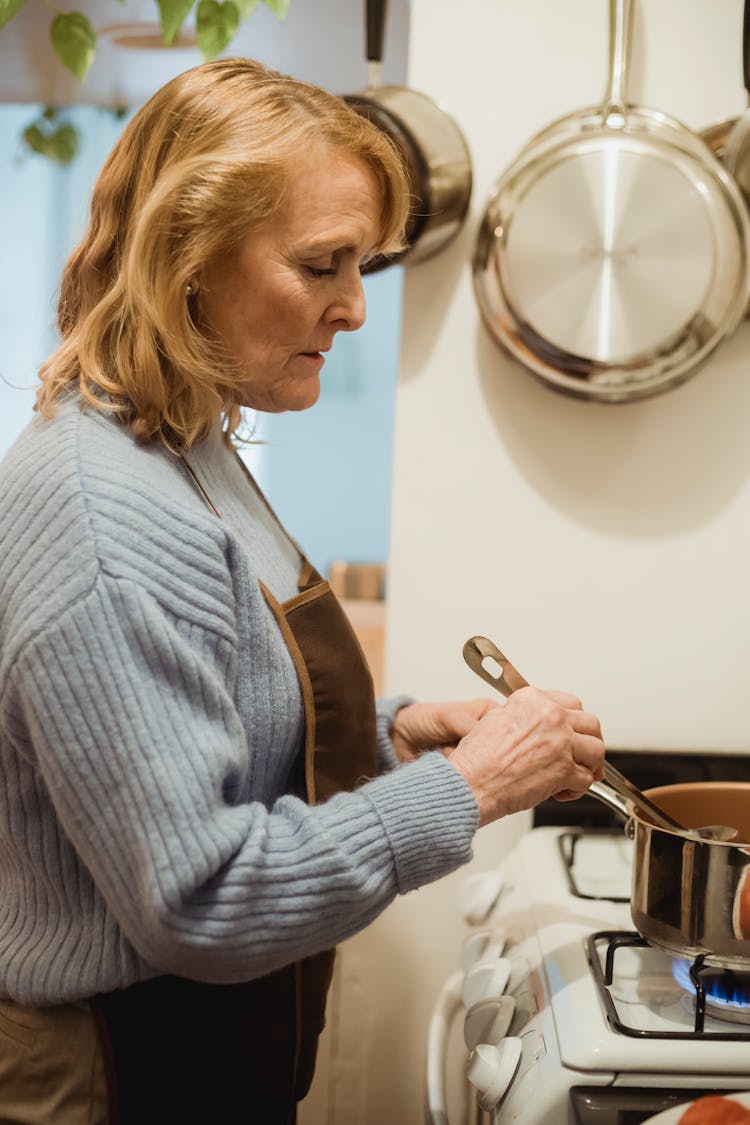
pixel 681 787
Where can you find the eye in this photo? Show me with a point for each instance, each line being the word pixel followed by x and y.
pixel 315 271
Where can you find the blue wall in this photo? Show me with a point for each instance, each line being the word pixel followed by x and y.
pixel 43 210
pixel 327 471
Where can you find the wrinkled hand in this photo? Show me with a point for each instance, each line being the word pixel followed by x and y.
pixel 435 726
pixel 540 744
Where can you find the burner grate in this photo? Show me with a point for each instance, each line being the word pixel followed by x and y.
pixel 568 842
pixel 604 976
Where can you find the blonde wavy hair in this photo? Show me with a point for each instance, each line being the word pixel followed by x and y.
pixel 203 163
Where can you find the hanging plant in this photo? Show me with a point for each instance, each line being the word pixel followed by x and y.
pixel 73 40
pixel 52 136
pixel 73 36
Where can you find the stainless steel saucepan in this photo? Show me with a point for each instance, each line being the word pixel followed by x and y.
pixel 690 892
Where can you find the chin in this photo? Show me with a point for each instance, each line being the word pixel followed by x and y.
pixel 302 398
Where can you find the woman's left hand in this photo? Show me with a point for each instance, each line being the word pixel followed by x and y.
pixel 435 726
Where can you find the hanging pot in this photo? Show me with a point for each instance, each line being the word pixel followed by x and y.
pixel 433 148
pixel 612 257
pixel 729 140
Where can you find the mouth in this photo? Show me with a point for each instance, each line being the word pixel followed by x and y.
pixel 316 358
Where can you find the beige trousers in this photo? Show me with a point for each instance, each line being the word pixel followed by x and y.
pixel 51 1066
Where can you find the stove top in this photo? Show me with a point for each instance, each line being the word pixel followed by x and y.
pixel 607 1017
pixel 651 995
pixel 604 1028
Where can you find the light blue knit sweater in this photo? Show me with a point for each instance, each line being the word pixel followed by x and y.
pixel 149 717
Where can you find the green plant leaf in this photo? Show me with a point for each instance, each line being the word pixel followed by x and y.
pixel 74 42
pixel 172 15
pixel 60 145
pixel 278 7
pixel 8 9
pixel 246 7
pixel 36 139
pixel 64 144
pixel 215 25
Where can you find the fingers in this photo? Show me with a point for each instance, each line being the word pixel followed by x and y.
pixel 587 748
pixel 570 794
pixel 536 745
pixel 481 706
pixel 586 745
pixel 585 723
pixel 587 751
pixel 426 726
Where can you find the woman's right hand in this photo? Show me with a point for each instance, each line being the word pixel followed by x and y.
pixel 540 744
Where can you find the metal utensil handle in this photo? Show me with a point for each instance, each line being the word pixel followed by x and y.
pixel 621 785
pixel 477 650
pixel 619 790
pixel 610 797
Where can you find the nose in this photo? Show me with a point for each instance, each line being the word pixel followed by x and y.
pixel 347 311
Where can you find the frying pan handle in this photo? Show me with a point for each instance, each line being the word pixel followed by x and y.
pixel 621 13
pixel 746 48
pixel 375 13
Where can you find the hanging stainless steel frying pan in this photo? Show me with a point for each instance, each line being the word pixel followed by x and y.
pixel 612 256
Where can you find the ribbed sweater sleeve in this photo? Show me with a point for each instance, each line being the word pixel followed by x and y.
pixel 385 716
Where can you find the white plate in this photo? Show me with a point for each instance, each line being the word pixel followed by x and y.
pixel 673 1115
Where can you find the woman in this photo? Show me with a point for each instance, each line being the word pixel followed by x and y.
pixel 200 795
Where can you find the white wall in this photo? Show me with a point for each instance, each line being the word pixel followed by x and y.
pixel 606 548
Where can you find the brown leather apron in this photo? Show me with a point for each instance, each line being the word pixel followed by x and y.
pixel 244 1054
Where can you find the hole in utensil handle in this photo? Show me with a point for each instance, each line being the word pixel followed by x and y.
pixel 492 667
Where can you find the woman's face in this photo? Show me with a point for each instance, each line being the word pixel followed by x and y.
pixel 280 297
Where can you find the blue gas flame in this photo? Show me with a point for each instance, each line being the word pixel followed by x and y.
pixel 727 988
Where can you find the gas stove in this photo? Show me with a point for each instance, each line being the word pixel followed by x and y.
pixel 560 1013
